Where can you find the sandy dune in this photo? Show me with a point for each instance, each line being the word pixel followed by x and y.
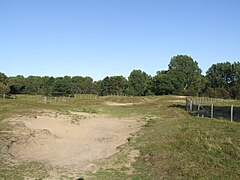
pixel 77 140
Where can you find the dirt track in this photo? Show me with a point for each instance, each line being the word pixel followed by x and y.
pixel 77 140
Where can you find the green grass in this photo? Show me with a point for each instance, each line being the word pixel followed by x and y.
pixel 172 143
pixel 185 147
pixel 33 170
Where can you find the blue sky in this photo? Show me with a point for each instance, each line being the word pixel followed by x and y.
pixel 100 38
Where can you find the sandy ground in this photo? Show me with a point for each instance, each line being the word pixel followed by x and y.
pixel 77 140
pixel 118 104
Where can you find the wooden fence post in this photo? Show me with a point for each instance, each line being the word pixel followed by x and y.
pixel 198 109
pixel 232 113
pixel 191 103
pixel 212 111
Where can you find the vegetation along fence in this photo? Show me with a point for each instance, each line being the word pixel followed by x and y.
pixel 204 107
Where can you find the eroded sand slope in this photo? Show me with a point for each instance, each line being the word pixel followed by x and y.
pixel 77 140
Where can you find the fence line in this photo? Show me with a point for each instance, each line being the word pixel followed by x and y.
pixel 50 99
pixel 207 100
pixel 196 107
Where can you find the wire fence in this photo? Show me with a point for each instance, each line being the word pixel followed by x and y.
pixel 202 107
pixel 52 99
pixel 208 100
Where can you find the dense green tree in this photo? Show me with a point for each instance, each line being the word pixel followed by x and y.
pixel 33 85
pixel 96 86
pixel 223 75
pixel 62 86
pixel 3 78
pixel 105 87
pixel 224 79
pixel 165 83
pixel 220 75
pixel 47 87
pixel 17 84
pixel 217 93
pixel 138 84
pixel 114 85
pixel 82 85
pixel 210 92
pixel 188 71
pixel 118 85
pixel 89 86
pixel 235 91
pixel 222 93
pixel 4 89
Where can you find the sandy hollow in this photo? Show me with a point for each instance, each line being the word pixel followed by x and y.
pixel 77 140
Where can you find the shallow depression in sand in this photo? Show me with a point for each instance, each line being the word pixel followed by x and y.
pixel 56 140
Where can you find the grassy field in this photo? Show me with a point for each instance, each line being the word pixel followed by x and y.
pixel 171 144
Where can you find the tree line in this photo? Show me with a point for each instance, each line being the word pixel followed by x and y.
pixel 183 77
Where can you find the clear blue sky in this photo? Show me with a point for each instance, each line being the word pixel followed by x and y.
pixel 100 38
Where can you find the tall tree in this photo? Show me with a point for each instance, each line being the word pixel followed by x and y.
pixel 17 84
pixel 185 67
pixel 47 85
pixel 220 75
pixel 33 85
pixel 224 79
pixel 118 85
pixel 138 83
pixel 165 83
pixel 62 86
pixel 114 85
pixel 82 85
pixel 105 87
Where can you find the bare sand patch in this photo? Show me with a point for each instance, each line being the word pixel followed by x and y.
pixel 178 101
pixel 181 97
pixel 54 139
pixel 118 104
